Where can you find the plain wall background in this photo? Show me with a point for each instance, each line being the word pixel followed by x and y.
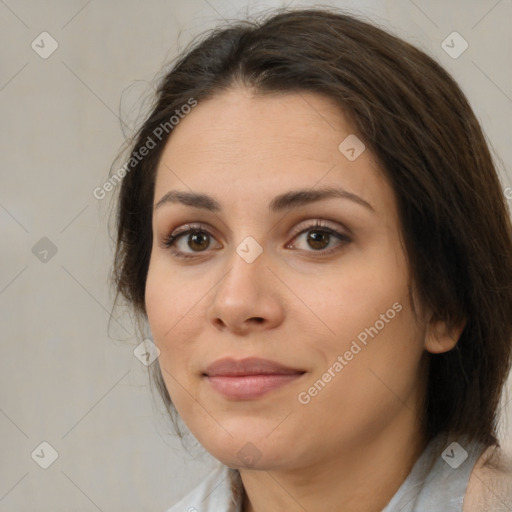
pixel 65 378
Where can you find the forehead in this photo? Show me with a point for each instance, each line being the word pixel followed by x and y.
pixel 259 145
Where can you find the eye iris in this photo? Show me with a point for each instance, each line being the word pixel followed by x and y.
pixel 318 239
pixel 197 238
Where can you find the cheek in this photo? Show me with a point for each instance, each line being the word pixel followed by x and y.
pixel 175 306
pixel 158 298
pixel 169 307
pixel 344 301
pixel 372 383
pixel 164 307
pixel 169 298
pixel 366 319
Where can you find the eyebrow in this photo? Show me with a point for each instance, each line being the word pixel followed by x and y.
pixel 292 199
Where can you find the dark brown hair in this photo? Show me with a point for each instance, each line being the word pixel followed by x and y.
pixel 417 122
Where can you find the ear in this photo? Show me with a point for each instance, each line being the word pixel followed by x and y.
pixel 439 337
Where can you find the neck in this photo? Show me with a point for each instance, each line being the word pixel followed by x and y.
pixel 362 478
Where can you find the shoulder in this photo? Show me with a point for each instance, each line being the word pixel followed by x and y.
pixel 490 484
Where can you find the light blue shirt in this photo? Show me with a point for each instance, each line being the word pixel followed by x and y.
pixel 436 483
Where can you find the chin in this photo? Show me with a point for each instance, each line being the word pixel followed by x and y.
pixel 242 450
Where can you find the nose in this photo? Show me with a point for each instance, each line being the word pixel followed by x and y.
pixel 247 298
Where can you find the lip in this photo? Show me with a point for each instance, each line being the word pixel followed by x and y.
pixel 250 378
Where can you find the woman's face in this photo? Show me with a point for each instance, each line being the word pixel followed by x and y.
pixel 257 279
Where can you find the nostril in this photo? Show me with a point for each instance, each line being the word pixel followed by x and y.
pixel 219 322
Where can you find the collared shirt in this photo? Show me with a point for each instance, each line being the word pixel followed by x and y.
pixel 436 483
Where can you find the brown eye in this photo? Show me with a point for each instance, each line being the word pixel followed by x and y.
pixel 188 241
pixel 198 241
pixel 318 239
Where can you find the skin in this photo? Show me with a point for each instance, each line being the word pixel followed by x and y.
pixel 357 439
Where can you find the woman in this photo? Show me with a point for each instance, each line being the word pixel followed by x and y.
pixel 313 228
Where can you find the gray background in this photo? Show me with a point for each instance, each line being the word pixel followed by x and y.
pixel 66 377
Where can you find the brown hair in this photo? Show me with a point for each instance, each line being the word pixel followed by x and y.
pixel 416 120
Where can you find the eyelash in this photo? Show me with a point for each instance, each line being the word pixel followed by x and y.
pixel 170 240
